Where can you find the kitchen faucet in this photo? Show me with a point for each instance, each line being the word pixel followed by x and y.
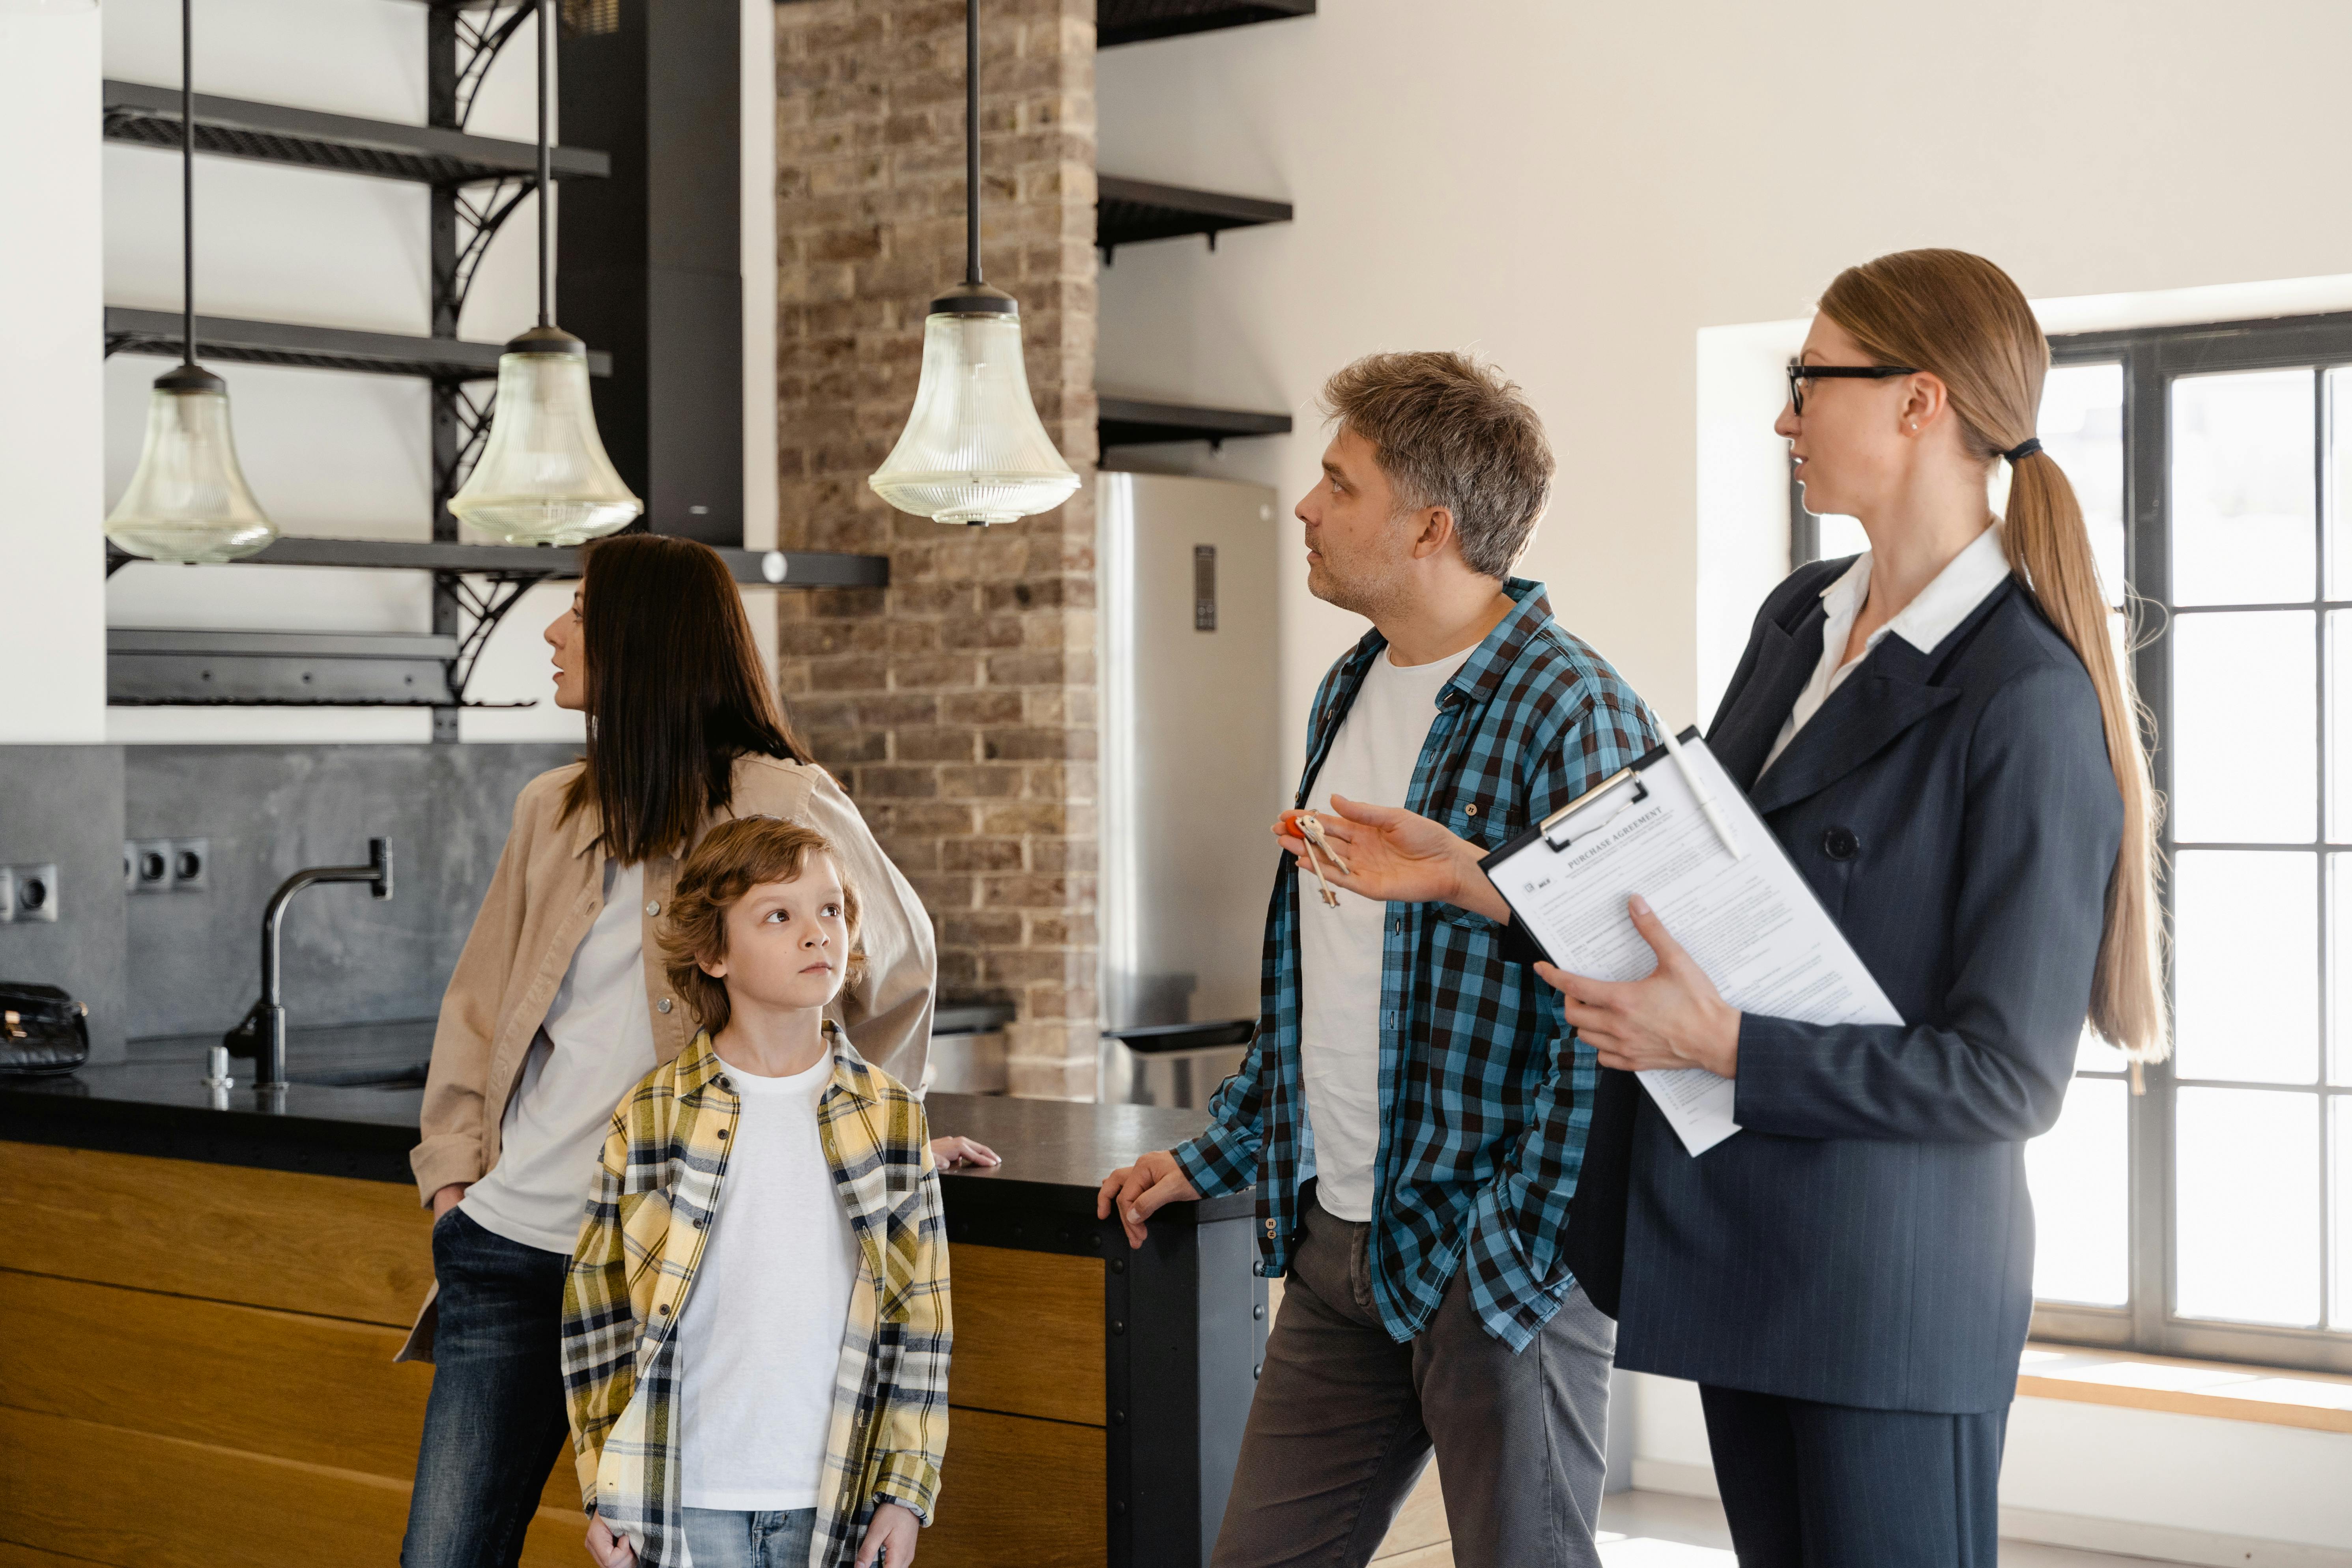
pixel 262 1034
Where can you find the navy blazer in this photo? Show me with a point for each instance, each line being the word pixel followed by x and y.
pixel 1867 1238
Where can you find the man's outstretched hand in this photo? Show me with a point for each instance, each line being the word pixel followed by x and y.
pixel 1138 1191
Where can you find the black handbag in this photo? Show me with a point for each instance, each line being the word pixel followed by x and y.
pixel 42 1029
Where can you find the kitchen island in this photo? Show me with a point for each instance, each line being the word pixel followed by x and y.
pixel 208 1289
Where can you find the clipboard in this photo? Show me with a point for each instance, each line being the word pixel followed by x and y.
pixel 1683 837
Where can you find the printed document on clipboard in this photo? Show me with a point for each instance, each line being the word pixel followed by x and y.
pixel 1747 919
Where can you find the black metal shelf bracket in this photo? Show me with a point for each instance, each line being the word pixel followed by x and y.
pixel 486 602
pixel 1130 212
pixel 475 36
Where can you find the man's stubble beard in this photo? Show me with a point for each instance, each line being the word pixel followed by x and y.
pixel 1369 594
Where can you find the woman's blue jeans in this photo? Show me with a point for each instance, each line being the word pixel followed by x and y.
pixel 496 1420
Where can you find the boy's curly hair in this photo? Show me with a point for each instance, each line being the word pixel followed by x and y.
pixel 735 858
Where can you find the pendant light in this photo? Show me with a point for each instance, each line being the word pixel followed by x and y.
pixel 973 451
pixel 188 500
pixel 544 477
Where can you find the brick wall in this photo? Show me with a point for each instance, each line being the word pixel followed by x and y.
pixel 958 705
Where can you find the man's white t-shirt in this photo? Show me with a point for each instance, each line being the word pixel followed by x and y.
pixel 595 1043
pixel 1371 759
pixel 760 1341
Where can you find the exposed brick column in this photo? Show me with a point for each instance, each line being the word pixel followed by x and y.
pixel 958 705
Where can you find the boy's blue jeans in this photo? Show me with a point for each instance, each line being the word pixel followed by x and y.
pixel 496 1419
pixel 721 1538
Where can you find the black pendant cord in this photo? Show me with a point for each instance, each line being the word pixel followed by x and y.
pixel 972 140
pixel 187 185
pixel 546 169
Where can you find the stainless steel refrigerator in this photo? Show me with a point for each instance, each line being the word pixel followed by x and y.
pixel 1191 774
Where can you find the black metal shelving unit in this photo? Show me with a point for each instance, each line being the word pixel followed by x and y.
pixel 1132 212
pixel 180 668
pixel 1136 21
pixel 307 138
pixel 311 348
pixel 477 184
pixel 1135 422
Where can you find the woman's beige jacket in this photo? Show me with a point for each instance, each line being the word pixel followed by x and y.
pixel 546 893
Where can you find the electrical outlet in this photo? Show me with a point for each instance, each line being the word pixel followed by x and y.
pixel 192 865
pixel 36 891
pixel 151 864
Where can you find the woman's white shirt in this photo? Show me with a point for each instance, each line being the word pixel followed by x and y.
pixel 1965 581
pixel 595 1043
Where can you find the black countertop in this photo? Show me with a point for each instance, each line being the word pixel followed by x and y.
pixel 1055 1152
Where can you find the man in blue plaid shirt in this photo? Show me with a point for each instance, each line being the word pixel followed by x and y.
pixel 1414 1109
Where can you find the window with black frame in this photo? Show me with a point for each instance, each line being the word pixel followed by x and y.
pixel 2212 1216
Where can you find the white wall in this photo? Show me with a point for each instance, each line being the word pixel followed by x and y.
pixel 1579 190
pixel 52 674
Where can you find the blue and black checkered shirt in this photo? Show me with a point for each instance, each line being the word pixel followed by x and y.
pixel 1486 1098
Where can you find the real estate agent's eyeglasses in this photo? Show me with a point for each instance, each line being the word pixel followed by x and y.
pixel 1800 374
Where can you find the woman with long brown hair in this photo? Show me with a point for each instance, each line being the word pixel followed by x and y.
pixel 1941 735
pixel 559 1004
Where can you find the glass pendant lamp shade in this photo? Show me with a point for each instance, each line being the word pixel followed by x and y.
pixel 544 477
pixel 188 501
pixel 974 450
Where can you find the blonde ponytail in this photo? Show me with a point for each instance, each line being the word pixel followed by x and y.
pixel 1960 316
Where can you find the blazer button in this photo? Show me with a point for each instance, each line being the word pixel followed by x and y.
pixel 1840 844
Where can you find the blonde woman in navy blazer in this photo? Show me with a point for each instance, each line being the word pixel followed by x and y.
pixel 1940 735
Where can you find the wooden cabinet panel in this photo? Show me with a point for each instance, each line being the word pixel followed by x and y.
pixel 105 1494
pixel 281 1384
pixel 328 1245
pixel 14 1556
pixel 1028 1334
pixel 1017 1490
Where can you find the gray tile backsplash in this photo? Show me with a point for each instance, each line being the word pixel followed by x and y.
pixel 64 804
pixel 195 957
pixel 190 961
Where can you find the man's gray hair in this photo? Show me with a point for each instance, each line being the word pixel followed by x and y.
pixel 1450 431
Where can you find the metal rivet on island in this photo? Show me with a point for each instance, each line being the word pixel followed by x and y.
pixel 1257 1312
pixel 1118 1325
pixel 662 1005
pixel 1119 1265
pixel 653 906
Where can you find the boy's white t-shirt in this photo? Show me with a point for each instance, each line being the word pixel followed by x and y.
pixel 1371 759
pixel 595 1043
pixel 759 1344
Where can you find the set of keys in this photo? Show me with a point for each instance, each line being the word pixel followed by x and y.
pixel 1319 850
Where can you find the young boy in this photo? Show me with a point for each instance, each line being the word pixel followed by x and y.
pixel 756 1326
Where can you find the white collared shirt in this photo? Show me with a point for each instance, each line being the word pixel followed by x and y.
pixel 1925 621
